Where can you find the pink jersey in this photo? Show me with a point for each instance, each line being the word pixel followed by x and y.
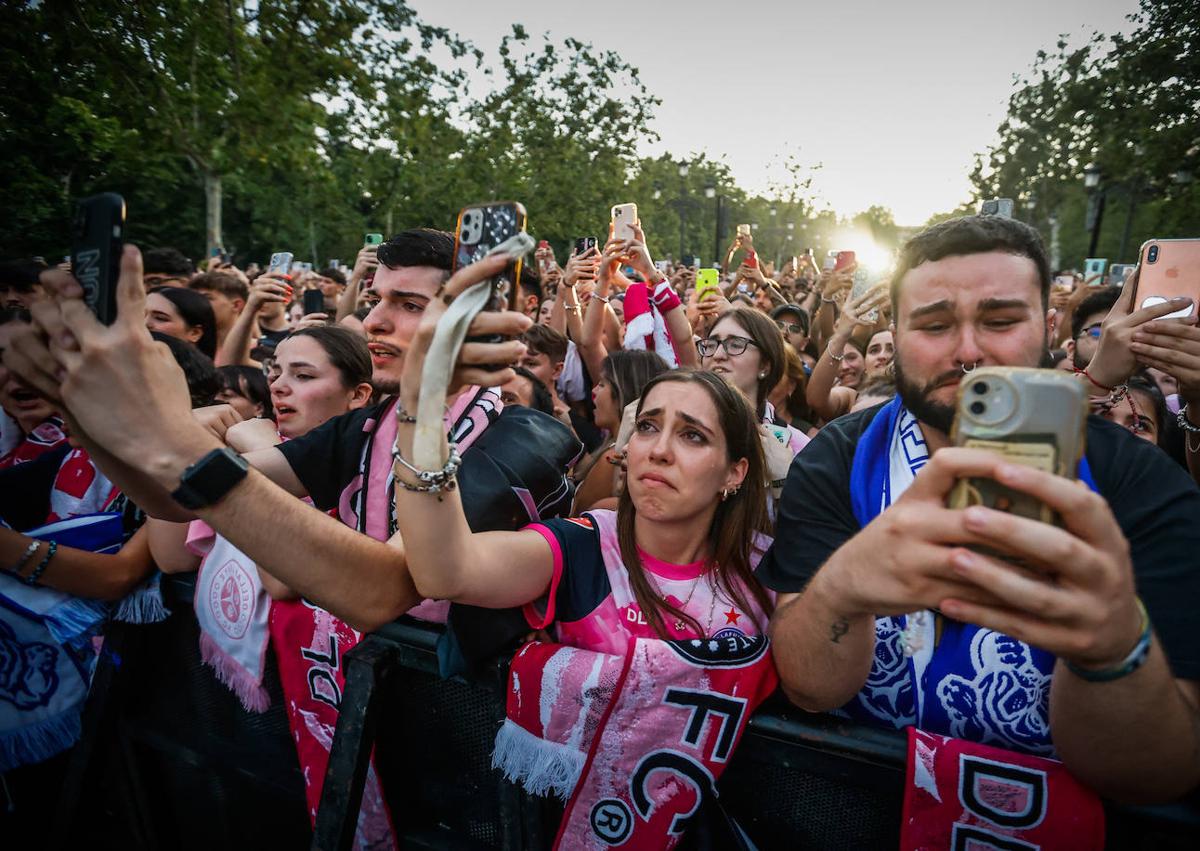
pixel 591 603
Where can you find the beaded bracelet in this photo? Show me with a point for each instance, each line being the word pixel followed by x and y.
pixel 25 556
pixel 32 578
pixel 832 356
pixel 1136 658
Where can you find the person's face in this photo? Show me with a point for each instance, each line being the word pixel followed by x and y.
pixel 519 391
pixel 677 456
pixel 972 310
pixel 541 366
pixel 241 403
pixel 308 390
pixel 12 296
pixel 850 370
pixel 225 309
pixel 739 370
pixel 762 300
pixel 16 397
pixel 544 312
pixel 880 350
pixel 618 307
pixel 1140 418
pixel 792 330
pixel 403 294
pixel 604 397
pixel 163 279
pixel 331 289
pixel 1167 384
pixel 1088 340
pixel 163 316
pixel 294 314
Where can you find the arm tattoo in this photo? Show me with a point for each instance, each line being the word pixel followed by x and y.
pixel 837 629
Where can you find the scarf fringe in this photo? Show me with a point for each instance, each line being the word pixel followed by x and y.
pixel 143 605
pixel 233 676
pixel 75 620
pixel 38 742
pixel 540 766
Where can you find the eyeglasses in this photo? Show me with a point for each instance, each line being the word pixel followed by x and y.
pixel 733 346
pixel 790 328
pixel 1093 331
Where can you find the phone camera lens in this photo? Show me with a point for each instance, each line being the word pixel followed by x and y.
pixel 977 408
pixel 1152 254
pixel 980 387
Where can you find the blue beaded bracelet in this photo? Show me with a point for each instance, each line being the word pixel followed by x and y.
pixel 32 578
pixel 1136 658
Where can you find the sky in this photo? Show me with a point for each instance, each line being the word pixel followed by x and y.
pixel 892 100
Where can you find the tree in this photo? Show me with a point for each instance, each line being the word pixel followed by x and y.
pixel 1127 104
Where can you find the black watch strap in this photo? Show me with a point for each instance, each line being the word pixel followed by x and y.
pixel 210 478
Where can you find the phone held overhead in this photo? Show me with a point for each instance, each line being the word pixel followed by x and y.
pixel 1169 270
pixel 96 252
pixel 624 217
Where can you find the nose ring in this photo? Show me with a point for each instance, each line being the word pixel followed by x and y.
pixel 967 371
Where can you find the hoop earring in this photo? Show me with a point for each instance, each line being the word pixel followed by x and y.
pixel 724 494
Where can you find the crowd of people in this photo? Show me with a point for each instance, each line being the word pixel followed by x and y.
pixel 670 499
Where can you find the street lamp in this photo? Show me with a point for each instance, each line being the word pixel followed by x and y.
pixel 1095 209
pixel 710 191
pixel 683 199
pixel 683 169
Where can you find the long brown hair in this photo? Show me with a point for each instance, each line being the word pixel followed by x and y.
pixel 731 537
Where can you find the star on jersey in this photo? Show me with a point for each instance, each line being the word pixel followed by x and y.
pixel 731 616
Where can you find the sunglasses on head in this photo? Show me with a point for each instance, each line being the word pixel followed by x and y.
pixel 790 327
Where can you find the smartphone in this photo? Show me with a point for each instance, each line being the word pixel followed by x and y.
pixel 1002 207
pixel 751 260
pixel 862 283
pixel 314 302
pixel 743 230
pixel 281 262
pixel 1094 267
pixel 829 262
pixel 1169 270
pixel 335 264
pixel 624 216
pixel 584 243
pixel 690 261
pixel 844 260
pixel 1036 417
pixel 373 239
pixel 1118 272
pixel 482 227
pixel 96 252
pixel 662 266
pixel 1067 282
pixel 707 281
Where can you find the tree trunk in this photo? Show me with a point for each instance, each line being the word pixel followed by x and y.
pixel 212 213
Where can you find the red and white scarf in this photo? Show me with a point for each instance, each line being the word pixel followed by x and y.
pixel 964 795
pixel 645 328
pixel 635 742
pixel 47 435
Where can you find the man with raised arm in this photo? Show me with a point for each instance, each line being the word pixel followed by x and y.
pixel 890 611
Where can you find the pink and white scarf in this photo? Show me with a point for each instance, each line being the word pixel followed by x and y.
pixel 636 742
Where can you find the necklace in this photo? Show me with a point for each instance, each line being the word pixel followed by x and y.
pixel 680 624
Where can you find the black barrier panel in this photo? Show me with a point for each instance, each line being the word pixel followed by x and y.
pixel 186 767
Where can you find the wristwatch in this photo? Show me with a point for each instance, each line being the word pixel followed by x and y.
pixel 210 478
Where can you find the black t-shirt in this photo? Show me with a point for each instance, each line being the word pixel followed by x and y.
pixel 1157 506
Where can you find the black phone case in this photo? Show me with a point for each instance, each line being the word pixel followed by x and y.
pixel 583 243
pixel 314 301
pixel 96 252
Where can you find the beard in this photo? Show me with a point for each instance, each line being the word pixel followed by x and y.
pixel 916 397
pixel 385 386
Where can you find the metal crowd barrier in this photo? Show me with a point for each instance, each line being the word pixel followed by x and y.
pixel 169 759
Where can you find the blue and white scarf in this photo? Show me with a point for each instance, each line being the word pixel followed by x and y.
pixel 971 683
pixel 47 652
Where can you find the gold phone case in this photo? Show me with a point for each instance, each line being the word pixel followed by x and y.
pixel 1036 417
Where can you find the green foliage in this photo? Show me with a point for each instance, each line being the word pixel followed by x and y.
pixel 325 119
pixel 1128 104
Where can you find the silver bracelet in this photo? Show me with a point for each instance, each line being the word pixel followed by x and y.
pixel 430 481
pixel 600 298
pixel 1184 422
pixel 832 356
